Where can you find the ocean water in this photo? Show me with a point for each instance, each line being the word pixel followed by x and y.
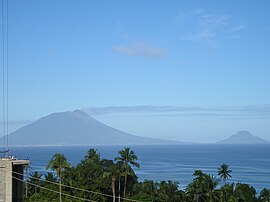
pixel 249 163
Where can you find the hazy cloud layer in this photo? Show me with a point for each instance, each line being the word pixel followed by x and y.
pixel 207 28
pixel 140 50
pixel 251 110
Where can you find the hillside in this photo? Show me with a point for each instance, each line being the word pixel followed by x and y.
pixel 75 128
pixel 243 137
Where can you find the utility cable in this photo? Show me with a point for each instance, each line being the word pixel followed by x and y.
pixel 80 189
pixel 7 82
pixel 5 124
pixel 51 190
pixel 3 64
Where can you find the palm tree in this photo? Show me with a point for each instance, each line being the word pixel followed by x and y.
pixel 57 163
pixel 265 195
pixel 151 188
pixel 227 193
pixel 170 191
pixel 127 157
pixel 210 183
pixel 34 179
pixel 111 171
pixel 196 187
pixel 50 177
pixel 92 154
pixel 224 172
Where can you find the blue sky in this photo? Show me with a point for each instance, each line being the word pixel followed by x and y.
pixel 185 70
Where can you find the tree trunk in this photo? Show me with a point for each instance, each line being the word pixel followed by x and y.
pixel 119 187
pixel 60 186
pixel 125 187
pixel 26 190
pixel 113 187
pixel 26 187
pixel 210 199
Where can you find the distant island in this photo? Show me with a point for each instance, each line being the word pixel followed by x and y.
pixel 79 129
pixel 243 137
pixel 76 128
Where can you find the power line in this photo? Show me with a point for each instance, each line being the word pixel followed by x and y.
pixel 51 190
pixel 5 72
pixel 80 189
pixel 3 64
pixel 7 64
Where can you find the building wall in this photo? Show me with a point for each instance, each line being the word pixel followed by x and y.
pixel 11 190
pixel 2 183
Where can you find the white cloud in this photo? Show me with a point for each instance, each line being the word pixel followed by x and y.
pixel 207 28
pixel 250 110
pixel 234 37
pixel 141 50
pixel 238 28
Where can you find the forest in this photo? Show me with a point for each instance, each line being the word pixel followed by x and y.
pixel 98 179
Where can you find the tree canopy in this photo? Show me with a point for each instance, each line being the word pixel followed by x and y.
pixel 114 177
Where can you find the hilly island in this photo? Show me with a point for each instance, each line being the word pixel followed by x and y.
pixel 75 128
pixel 243 137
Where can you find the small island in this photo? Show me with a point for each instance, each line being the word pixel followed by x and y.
pixel 243 137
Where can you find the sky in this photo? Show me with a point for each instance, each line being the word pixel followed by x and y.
pixel 182 70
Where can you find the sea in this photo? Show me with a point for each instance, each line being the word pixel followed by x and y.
pixel 249 163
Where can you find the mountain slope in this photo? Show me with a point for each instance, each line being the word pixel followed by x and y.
pixel 75 128
pixel 243 137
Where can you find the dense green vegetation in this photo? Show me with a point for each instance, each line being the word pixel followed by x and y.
pixel 118 177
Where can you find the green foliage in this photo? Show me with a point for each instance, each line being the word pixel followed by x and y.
pixel 57 163
pixel 154 191
pixel 227 193
pixel 203 187
pixel 127 158
pixel 224 172
pixel 104 176
pixel 265 195
pixel 245 192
